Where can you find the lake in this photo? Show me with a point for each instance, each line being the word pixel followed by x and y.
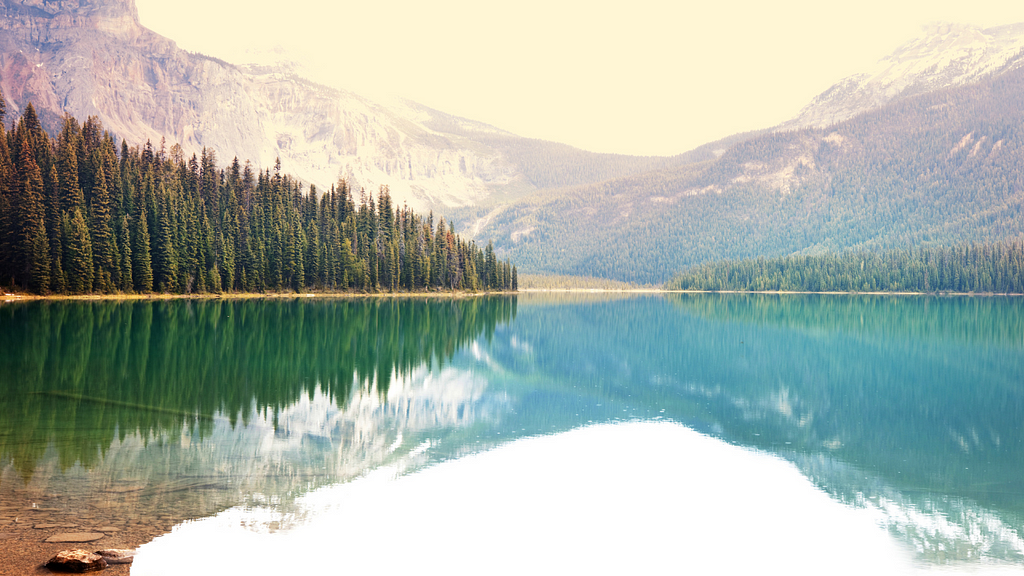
pixel 546 432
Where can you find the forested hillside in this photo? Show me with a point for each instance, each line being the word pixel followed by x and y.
pixel 77 216
pixel 994 268
pixel 939 169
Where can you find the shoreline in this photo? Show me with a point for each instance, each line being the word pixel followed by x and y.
pixel 16 297
pixel 19 297
pixel 771 292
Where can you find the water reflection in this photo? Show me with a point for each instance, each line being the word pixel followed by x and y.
pixel 941 528
pixel 905 409
pixel 919 400
pixel 635 498
pixel 180 409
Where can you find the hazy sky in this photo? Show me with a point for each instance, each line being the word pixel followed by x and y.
pixel 639 77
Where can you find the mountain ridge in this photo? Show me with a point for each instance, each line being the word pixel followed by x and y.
pixel 96 59
pixel 945 55
pixel 934 169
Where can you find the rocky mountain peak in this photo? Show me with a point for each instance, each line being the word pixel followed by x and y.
pixel 53 20
pixel 54 7
pixel 943 56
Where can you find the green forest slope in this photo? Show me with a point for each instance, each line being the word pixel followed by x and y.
pixel 942 168
pixel 78 216
pixel 993 268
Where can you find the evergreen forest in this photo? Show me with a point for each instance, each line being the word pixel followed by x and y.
pixel 993 267
pixel 79 215
pixel 936 169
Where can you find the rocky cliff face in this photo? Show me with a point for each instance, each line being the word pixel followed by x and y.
pixel 94 58
pixel 946 55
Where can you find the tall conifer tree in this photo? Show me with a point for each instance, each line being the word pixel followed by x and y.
pixel 103 249
pixel 54 232
pixel 124 245
pixel 142 269
pixel 32 245
pixel 78 265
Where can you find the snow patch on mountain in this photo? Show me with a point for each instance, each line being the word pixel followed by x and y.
pixel 945 55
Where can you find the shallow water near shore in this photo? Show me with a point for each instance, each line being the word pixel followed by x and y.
pixel 568 432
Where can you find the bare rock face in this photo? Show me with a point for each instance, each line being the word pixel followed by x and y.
pixel 94 58
pixel 76 561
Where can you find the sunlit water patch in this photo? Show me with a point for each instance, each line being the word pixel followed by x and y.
pixel 630 498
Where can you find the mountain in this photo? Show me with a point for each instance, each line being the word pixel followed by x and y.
pixel 94 58
pixel 918 150
pixel 939 167
pixel 946 55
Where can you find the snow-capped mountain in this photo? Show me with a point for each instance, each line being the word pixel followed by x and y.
pixel 945 55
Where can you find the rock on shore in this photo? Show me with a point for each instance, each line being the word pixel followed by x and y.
pixel 76 561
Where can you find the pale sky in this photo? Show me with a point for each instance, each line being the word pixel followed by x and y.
pixel 638 77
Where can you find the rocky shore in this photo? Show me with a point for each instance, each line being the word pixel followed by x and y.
pixel 34 527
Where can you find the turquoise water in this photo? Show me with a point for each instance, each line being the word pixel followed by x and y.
pixel 907 411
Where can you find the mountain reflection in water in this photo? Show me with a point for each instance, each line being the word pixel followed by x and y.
pixel 147 408
pixel 905 410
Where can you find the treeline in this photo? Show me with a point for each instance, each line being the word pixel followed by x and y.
pixel 941 168
pixel 995 267
pixel 77 216
pixel 562 282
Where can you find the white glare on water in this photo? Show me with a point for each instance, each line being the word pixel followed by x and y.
pixel 629 499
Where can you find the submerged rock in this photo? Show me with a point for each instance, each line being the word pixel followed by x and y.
pixel 75 537
pixel 117 556
pixel 76 561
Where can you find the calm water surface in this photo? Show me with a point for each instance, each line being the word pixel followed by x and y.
pixel 711 432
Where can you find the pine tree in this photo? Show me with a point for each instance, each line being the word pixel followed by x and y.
pixel 32 245
pixel 7 203
pixel 39 141
pixel 229 232
pixel 490 271
pixel 165 264
pixel 53 230
pixel 124 276
pixel 103 248
pixel 78 265
pixel 88 157
pixel 336 265
pixel 142 269
pixel 39 271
